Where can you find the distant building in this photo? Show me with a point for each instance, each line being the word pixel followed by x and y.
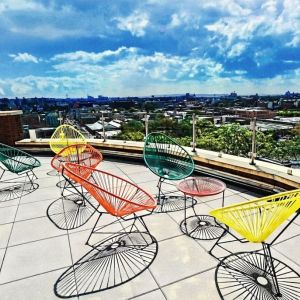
pixel 51 119
pixel 250 113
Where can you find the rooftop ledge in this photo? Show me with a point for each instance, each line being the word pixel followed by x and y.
pixel 263 175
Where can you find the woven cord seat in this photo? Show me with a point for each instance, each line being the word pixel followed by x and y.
pixel 82 154
pixel 168 160
pixel 257 219
pixel 65 135
pixel 117 196
pixel 254 275
pixel 21 164
pixel 17 161
pixel 127 248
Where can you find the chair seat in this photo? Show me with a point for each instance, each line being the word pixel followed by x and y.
pixel 83 154
pixel 65 135
pixel 117 196
pixel 257 219
pixel 17 161
pixel 165 158
pixel 168 169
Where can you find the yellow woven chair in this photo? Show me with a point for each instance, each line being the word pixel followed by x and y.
pixel 256 274
pixel 66 135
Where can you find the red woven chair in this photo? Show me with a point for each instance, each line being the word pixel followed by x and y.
pixel 82 154
pixel 127 248
pixel 74 211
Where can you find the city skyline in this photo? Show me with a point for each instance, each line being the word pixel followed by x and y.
pixel 53 48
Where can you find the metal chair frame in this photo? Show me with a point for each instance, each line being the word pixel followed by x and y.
pixel 168 160
pixel 227 262
pixel 10 163
pixel 130 250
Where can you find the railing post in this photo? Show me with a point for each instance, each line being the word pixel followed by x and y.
pixel 147 124
pixel 103 129
pixel 253 148
pixel 194 133
pixel 60 118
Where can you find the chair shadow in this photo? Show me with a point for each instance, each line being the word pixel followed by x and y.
pixel 111 263
pixel 53 173
pixel 174 203
pixel 16 191
pixel 71 211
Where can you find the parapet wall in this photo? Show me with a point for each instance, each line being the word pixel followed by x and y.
pixel 263 174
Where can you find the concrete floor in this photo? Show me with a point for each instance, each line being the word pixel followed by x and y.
pixel 34 252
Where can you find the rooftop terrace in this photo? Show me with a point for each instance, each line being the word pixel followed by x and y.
pixel 34 252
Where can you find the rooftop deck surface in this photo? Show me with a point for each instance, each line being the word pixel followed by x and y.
pixel 34 252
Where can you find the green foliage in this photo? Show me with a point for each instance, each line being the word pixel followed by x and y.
pixel 133 126
pixel 230 138
pixel 289 113
pixel 131 136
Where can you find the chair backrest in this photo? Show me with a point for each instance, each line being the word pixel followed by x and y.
pixel 65 135
pixel 116 195
pixel 166 158
pixel 16 160
pixel 83 154
pixel 257 219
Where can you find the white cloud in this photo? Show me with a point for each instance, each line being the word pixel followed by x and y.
pixel 24 57
pixel 92 57
pixel 137 85
pixel 271 18
pixel 49 32
pixel 20 5
pixel 2 92
pixel 20 89
pixel 130 62
pixel 231 7
pixel 237 50
pixel 134 23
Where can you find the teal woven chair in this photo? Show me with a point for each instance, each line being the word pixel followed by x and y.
pixel 168 160
pixel 17 162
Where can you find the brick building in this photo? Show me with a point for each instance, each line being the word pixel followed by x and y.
pixel 10 127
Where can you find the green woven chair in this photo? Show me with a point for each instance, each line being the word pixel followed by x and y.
pixel 168 160
pixel 17 162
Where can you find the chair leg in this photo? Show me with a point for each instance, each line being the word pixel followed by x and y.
pixel 269 267
pixel 92 231
pixel 216 244
pixel 160 181
pixel 3 171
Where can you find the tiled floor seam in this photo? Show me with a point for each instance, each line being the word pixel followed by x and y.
pixel 157 282
pixel 69 243
pixel 27 203
pixel 292 237
pixel 32 276
pixel 11 230
pixel 287 257
pixel 171 283
pixel 35 241
pixel 144 294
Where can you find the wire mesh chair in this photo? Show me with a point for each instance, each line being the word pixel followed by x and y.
pixel 82 154
pixel 256 274
pixel 17 162
pixel 74 211
pixel 20 163
pixel 65 135
pixel 127 247
pixel 168 160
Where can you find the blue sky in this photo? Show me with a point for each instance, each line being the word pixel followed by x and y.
pixel 126 47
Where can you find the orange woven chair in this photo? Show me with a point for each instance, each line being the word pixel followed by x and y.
pixel 74 211
pixel 127 248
